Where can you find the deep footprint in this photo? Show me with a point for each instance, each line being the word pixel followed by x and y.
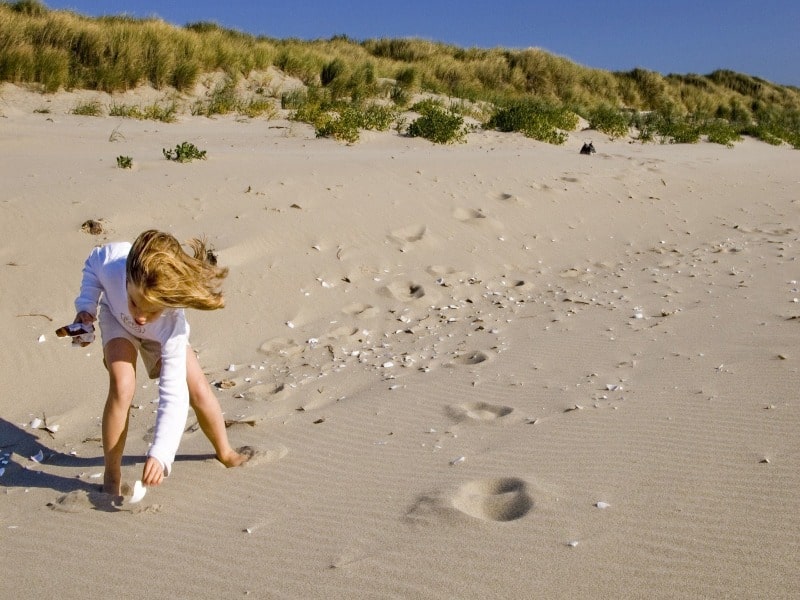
pixel 479 411
pixel 257 455
pixel 472 358
pixel 405 291
pixel 502 499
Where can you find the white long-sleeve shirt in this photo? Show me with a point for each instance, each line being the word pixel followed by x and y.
pixel 104 283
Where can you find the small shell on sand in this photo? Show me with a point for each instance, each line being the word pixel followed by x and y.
pixel 137 493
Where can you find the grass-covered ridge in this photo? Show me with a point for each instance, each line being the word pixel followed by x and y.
pixel 63 50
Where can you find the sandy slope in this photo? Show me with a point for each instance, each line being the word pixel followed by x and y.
pixel 451 355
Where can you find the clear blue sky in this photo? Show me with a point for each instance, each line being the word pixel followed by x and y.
pixel 757 37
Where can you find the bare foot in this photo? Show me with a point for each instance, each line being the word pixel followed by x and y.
pixel 234 458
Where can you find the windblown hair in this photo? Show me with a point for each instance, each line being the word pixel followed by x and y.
pixel 169 277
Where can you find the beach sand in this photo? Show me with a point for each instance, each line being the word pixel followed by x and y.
pixel 498 369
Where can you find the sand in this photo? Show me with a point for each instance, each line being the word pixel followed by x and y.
pixel 499 369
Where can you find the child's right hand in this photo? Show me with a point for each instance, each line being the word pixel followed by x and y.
pixel 84 340
pixel 84 317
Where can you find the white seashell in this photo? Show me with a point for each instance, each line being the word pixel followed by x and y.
pixel 138 492
pixel 231 367
pixel 52 428
pixel 638 315
pixel 388 364
pixel 290 325
pixel 458 461
pixel 602 504
pixel 573 543
pixel 41 338
pixel 36 423
pixel 38 457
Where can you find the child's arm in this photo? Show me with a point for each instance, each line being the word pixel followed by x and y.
pixel 91 287
pixel 173 401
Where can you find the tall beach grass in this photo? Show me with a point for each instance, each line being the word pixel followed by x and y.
pixel 53 49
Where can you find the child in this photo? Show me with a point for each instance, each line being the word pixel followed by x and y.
pixel 142 290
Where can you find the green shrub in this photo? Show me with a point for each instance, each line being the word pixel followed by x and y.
pixel 681 131
pixel 153 112
pixel 720 132
pixel 670 127
pixel 399 96
pixel 376 117
pixel 258 107
pixel 222 100
pixel 184 152
pixel 293 99
pixel 343 121
pixel 437 124
pixel 124 162
pixel 427 104
pixel 88 109
pixel 609 120
pixel 535 119
pixel 342 126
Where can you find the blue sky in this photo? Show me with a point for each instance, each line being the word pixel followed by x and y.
pixel 757 37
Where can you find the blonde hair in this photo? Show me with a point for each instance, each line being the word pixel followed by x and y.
pixel 169 277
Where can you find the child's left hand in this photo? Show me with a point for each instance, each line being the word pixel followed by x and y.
pixel 153 473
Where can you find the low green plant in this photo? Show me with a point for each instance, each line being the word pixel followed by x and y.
pixel 609 120
pixel 437 124
pixel 399 96
pixel 88 109
pixel 258 107
pixel 124 162
pixel 342 126
pixel 668 126
pixel 153 112
pixel 535 119
pixel 293 99
pixel 221 101
pixel 184 152
pixel 720 131
pixel 343 122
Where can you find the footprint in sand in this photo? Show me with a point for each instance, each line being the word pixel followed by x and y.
pixel 408 235
pixel 509 199
pixel 479 412
pixel 473 216
pixel 266 392
pixel 357 309
pixel 342 332
pixel 256 456
pixel 82 500
pixel 472 358
pixel 281 346
pixel 405 291
pixel 501 499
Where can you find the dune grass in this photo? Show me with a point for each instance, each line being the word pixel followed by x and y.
pixel 63 50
